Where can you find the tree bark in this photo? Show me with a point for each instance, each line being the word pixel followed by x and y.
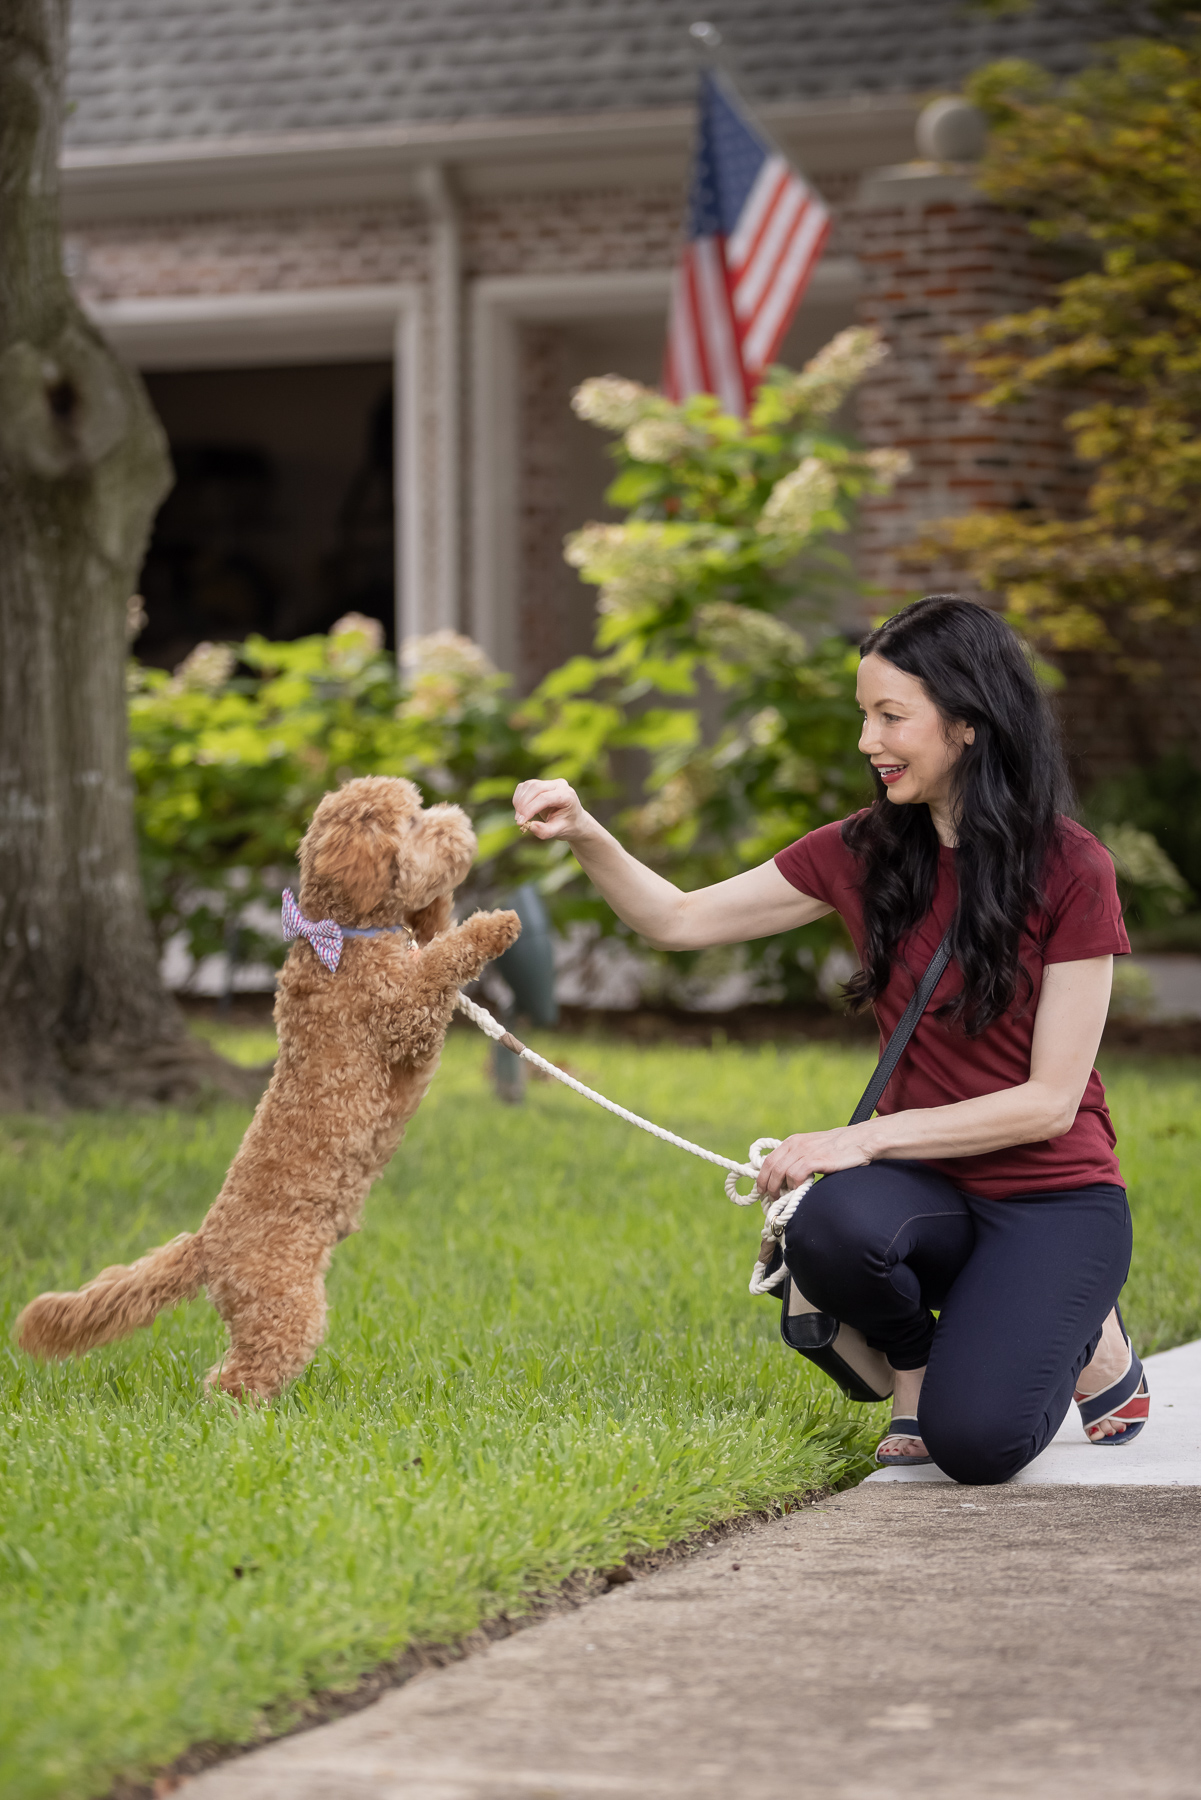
pixel 84 1016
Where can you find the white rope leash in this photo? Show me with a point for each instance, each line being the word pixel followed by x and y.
pixel 776 1213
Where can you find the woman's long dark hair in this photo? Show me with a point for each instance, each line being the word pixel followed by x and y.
pixel 1007 789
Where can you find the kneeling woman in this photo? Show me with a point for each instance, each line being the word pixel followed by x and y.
pixel 987 1188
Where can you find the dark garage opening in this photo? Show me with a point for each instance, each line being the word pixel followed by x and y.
pixel 281 518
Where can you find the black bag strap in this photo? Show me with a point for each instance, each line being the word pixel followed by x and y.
pixel 895 1047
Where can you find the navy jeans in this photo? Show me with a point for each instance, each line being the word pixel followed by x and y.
pixel 1022 1288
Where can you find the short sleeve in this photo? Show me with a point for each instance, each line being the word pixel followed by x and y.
pixel 814 863
pixel 1082 901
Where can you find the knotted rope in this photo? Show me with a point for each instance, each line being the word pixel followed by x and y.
pixel 776 1213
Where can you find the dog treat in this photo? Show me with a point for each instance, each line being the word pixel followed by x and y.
pixel 361 1021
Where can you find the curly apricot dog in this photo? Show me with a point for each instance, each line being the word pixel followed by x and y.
pixel 359 1043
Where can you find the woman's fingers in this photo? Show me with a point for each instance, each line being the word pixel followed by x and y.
pixel 809 1153
pixel 532 797
pixel 546 809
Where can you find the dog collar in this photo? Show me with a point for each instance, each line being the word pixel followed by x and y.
pixel 326 935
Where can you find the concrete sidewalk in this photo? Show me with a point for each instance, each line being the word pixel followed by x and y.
pixel 905 1639
pixel 1166 1454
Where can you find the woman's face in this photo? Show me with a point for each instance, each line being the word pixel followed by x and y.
pixel 906 737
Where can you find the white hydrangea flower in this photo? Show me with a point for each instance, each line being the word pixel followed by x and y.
pixel 797 499
pixel 829 377
pixel 612 401
pixel 753 638
pixel 208 667
pixel 765 727
pixel 642 563
pixel 889 466
pixel 445 653
pixel 657 440
pixel 357 624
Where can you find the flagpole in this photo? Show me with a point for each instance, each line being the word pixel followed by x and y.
pixel 708 41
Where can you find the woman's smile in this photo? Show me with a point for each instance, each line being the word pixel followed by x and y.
pixel 889 772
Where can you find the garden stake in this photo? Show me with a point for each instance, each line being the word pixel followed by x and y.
pixel 776 1213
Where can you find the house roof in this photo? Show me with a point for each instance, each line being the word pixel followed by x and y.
pixel 159 71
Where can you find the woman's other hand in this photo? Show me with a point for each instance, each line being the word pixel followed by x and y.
pixel 550 809
pixel 809 1153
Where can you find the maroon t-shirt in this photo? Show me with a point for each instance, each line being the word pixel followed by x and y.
pixel 1082 917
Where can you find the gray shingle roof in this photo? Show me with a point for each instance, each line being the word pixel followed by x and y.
pixel 145 71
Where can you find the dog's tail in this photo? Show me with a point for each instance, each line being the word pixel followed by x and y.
pixel 117 1302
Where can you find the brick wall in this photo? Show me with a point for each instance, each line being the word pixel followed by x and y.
pixel 572 232
pixel 541 625
pixel 1113 720
pixel 259 253
pixel 348 247
pixel 935 268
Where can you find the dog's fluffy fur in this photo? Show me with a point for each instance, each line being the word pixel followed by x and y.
pixel 357 1051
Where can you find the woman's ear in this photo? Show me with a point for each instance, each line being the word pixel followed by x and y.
pixel 969 735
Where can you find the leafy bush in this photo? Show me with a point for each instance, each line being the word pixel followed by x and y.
pixel 1152 888
pixel 728 529
pixel 1160 799
pixel 727 533
pixel 231 754
pixel 1105 166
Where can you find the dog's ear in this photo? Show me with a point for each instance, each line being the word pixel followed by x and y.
pixel 435 856
pixel 350 852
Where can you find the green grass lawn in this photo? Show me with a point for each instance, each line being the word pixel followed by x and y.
pixel 542 1356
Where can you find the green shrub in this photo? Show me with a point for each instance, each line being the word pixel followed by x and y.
pixel 1160 799
pixel 724 552
pixel 231 754
pixel 1152 888
pixel 729 529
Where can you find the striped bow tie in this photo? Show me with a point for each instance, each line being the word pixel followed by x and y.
pixel 326 935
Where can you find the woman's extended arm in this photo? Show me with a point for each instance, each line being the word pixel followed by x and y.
pixel 1067 1031
pixel 755 904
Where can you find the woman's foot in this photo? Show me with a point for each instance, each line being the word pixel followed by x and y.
pixel 903 1447
pixel 1109 1363
pixel 1111 1390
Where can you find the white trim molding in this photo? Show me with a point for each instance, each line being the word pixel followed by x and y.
pixel 500 305
pixel 254 330
pixel 330 325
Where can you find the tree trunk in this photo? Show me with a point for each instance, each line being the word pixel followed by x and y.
pixel 84 1017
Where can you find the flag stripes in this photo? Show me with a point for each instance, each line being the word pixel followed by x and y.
pixel 756 230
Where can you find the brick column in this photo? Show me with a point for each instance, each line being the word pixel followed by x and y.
pixel 938 260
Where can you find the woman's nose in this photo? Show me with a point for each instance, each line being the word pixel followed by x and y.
pixel 867 738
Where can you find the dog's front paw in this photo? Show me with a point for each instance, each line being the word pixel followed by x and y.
pixel 493 932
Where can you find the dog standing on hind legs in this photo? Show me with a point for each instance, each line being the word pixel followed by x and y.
pixel 365 999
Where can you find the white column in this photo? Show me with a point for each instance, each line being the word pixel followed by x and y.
pixel 439 607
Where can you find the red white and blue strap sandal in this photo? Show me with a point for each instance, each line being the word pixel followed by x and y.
pixel 898 1430
pixel 1125 1402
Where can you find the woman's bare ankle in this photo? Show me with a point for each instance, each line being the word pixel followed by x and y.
pixel 1109 1359
pixel 907 1388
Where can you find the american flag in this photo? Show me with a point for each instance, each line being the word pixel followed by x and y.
pixel 754 232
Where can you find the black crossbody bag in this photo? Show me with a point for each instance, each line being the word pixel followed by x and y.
pixel 839 1350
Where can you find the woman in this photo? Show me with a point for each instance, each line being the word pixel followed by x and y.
pixel 986 1188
